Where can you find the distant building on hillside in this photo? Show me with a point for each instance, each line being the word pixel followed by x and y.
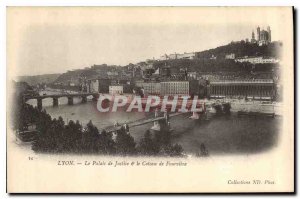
pixel 173 56
pixel 257 60
pixel 163 57
pixel 186 55
pixel 213 57
pixel 192 75
pixel 263 37
pixel 94 86
pixel 115 89
pixel 230 56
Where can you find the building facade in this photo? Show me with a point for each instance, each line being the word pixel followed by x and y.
pixel 185 55
pixel 230 56
pixel 104 85
pixel 94 86
pixel 263 36
pixel 192 75
pixel 116 89
pixel 150 88
pixel 255 89
pixel 257 60
pixel 175 88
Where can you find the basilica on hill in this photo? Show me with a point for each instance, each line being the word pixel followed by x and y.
pixel 263 37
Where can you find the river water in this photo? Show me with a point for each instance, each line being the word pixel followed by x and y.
pixel 221 134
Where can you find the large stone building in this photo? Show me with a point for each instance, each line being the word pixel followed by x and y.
pixel 150 88
pixel 93 86
pixel 263 36
pixel 166 88
pixel 115 89
pixel 255 89
pixel 184 55
pixel 97 85
pixel 175 88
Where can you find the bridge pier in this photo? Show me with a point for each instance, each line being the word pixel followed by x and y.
pixel 166 124
pixel 39 103
pixel 70 101
pixel 156 126
pixel 55 102
pixel 195 116
pixel 161 124
pixel 84 99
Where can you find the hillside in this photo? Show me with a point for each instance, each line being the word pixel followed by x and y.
pixel 38 79
pixel 241 49
pixel 202 63
pixel 212 66
pixel 88 73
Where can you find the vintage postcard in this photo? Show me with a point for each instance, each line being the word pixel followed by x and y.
pixel 150 99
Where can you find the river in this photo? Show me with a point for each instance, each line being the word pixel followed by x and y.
pixel 227 134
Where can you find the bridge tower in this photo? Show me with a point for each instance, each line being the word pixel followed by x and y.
pixel 159 124
pixel 156 125
pixel 167 120
pixel 195 116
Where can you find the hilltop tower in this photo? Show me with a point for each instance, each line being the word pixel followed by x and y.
pixel 258 33
pixel 253 37
pixel 269 35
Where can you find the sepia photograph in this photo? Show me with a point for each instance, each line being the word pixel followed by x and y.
pixel 150 99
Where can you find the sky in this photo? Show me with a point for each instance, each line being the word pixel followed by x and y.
pixel 55 46
pixel 61 48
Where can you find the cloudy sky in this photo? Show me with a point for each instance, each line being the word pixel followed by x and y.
pixel 54 42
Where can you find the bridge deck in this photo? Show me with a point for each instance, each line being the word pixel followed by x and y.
pixel 60 95
pixel 139 122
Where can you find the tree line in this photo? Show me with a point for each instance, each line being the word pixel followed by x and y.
pixel 55 136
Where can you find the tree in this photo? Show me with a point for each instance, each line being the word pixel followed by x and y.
pixel 107 143
pixel 176 150
pixel 125 144
pixel 173 150
pixel 203 151
pixel 148 146
pixel 90 138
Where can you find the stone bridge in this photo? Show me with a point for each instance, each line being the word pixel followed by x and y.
pixel 55 98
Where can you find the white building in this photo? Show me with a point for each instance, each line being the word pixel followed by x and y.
pixel 186 55
pixel 164 57
pixel 116 89
pixel 172 56
pixel 192 75
pixel 230 56
pixel 257 60
pixel 94 86
pixel 213 57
